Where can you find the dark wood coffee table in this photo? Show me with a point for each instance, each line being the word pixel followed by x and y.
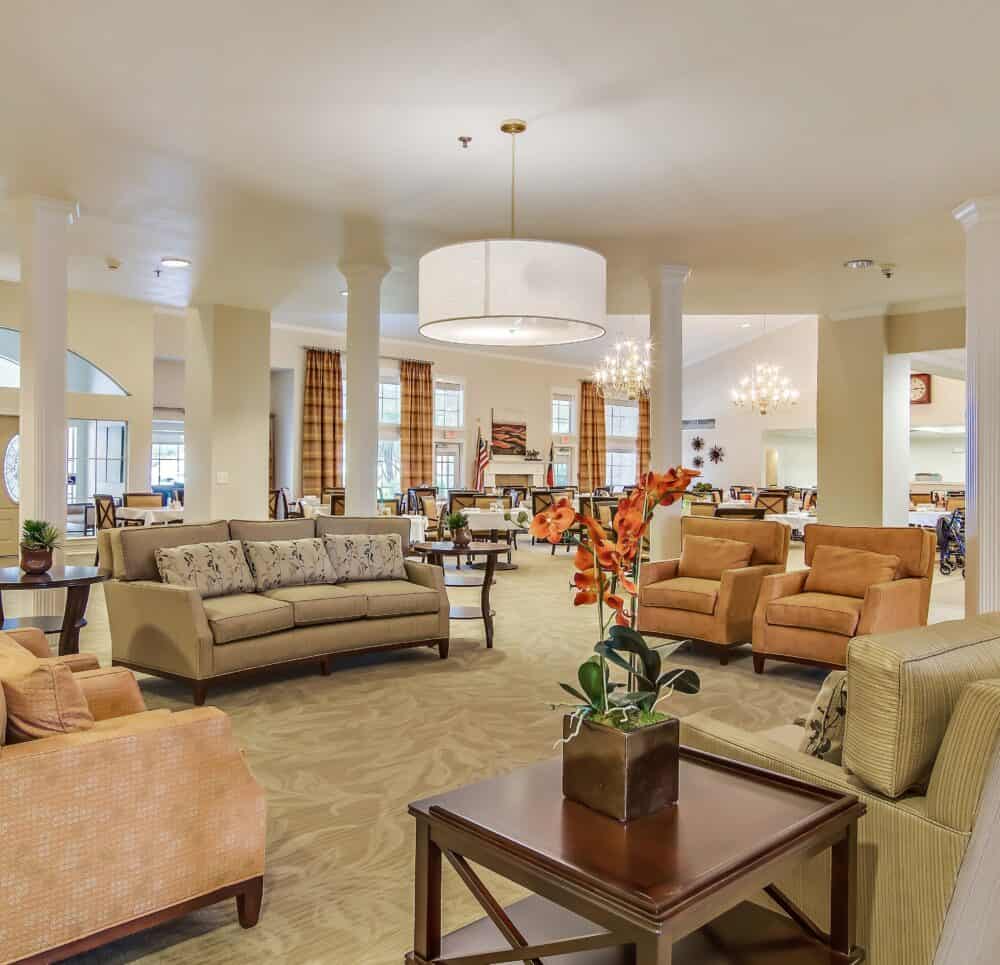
pixel 77 581
pixel 437 552
pixel 669 888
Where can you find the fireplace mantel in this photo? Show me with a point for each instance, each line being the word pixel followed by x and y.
pixel 515 465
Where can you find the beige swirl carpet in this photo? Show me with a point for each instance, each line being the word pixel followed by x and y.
pixel 341 756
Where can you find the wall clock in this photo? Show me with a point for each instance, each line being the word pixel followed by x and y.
pixel 920 388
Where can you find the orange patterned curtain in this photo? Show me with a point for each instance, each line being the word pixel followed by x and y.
pixel 416 428
pixel 322 422
pixel 593 447
pixel 642 443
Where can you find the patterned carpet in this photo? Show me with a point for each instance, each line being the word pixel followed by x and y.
pixel 341 756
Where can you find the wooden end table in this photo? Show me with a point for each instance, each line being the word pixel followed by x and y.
pixel 76 580
pixel 669 888
pixel 436 553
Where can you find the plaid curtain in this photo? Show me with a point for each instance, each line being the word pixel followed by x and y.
pixel 593 448
pixel 416 428
pixel 642 443
pixel 322 422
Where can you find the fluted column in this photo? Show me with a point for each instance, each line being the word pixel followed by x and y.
pixel 981 220
pixel 666 316
pixel 364 284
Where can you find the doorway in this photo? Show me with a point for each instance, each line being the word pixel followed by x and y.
pixel 9 509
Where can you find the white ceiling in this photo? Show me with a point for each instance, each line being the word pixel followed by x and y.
pixel 761 144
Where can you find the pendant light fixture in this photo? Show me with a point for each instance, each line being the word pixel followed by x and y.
pixel 765 389
pixel 512 291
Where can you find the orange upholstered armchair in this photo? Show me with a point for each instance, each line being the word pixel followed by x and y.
pixel 710 592
pixel 861 580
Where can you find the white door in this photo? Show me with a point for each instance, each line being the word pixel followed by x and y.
pixel 9 510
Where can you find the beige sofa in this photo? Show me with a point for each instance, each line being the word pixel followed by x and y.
pixel 921 751
pixel 170 631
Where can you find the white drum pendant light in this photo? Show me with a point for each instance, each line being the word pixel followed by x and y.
pixel 512 291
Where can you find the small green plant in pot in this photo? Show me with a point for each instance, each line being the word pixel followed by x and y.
pixel 38 540
pixel 458 525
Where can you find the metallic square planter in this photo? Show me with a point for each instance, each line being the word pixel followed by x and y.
pixel 624 776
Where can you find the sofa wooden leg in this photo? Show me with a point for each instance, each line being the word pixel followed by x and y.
pixel 324 666
pixel 199 691
pixel 248 902
pixel 758 663
pixel 443 646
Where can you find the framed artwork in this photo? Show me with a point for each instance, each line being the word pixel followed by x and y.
pixel 510 438
pixel 920 388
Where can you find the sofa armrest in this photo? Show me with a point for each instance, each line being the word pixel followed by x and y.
pixel 740 589
pixel 159 626
pixel 152 812
pixel 424 574
pixel 659 570
pixel 111 692
pixel 890 606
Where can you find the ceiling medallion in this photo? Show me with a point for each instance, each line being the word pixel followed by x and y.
pixel 765 389
pixel 624 374
pixel 512 291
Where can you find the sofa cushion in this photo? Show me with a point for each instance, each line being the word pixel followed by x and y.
pixel 268 530
pixel 245 615
pixel 904 687
pixel 46 701
pixel 396 598
pixel 682 593
pixel 138 545
pixel 823 736
pixel 848 572
pixel 816 611
pixel 213 569
pixel 321 603
pixel 289 562
pixel 362 557
pixel 707 557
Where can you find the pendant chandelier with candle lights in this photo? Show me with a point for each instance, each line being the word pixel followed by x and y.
pixel 624 373
pixel 765 389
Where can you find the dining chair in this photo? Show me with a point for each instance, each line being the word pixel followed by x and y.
pixel 739 512
pixel 922 499
pixel 274 504
pixel 105 516
pixel 415 496
pixel 772 502
pixel 338 502
pixel 143 501
pixel 703 509
pixel 293 509
pixel 388 507
pixel 808 500
pixel 459 499
pixel 954 502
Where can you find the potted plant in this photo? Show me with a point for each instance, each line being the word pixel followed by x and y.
pixel 38 540
pixel 458 525
pixel 620 753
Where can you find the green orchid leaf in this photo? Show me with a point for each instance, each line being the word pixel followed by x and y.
pixel 625 638
pixel 592 681
pixel 683 681
pixel 619 661
pixel 573 692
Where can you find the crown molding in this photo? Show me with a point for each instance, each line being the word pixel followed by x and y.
pixel 867 311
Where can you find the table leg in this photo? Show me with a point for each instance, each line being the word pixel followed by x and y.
pixel 491 565
pixel 843 891
pixel 76 607
pixel 655 950
pixel 427 910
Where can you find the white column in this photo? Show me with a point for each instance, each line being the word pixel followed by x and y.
pixel 42 228
pixel 364 283
pixel 666 288
pixel 981 220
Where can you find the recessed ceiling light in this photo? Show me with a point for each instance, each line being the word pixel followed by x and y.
pixel 344 292
pixel 175 262
pixel 859 264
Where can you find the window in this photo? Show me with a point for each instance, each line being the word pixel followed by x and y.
pixel 71 462
pixel 388 473
pixel 447 460
pixel 168 452
pixel 621 419
pixel 448 405
pixel 562 466
pixel 562 415
pixel 388 402
pixel 620 468
pixel 12 468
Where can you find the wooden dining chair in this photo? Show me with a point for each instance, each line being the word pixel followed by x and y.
pixel 922 499
pixel 739 512
pixel 292 508
pixel 459 499
pixel 954 502
pixel 274 504
pixel 772 502
pixel 143 501
pixel 338 502
pixel 388 507
pixel 105 517
pixel 415 496
pixel 703 509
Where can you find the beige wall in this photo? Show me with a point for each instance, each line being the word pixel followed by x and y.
pixel 926 331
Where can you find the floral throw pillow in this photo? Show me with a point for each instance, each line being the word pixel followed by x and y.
pixel 824 725
pixel 289 562
pixel 366 557
pixel 213 569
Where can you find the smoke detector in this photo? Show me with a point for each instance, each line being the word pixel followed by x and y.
pixel 112 264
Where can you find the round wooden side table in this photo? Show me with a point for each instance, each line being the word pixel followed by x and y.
pixel 76 580
pixel 436 552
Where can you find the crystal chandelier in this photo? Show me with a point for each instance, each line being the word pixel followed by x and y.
pixel 625 373
pixel 765 389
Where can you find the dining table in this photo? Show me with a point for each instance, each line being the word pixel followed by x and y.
pixel 150 517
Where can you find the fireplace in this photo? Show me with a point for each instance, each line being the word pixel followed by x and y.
pixel 514 479
pixel 511 471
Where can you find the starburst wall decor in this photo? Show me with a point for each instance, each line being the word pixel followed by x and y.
pixel 716 454
pixel 697 443
pixel 697 462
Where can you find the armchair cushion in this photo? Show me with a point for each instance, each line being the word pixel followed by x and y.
pixel 706 557
pixel 246 615
pixel 213 569
pixel 816 611
pixel 844 571
pixel 683 593
pixel 111 692
pixel 46 701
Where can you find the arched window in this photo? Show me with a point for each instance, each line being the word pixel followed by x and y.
pixel 81 374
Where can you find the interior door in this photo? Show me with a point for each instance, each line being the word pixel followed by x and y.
pixel 9 511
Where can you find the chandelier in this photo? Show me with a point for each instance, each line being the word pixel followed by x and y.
pixel 512 291
pixel 765 389
pixel 625 373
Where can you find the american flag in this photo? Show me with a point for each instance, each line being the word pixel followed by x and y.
pixel 550 473
pixel 482 460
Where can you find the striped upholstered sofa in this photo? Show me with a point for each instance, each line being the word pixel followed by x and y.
pixel 921 751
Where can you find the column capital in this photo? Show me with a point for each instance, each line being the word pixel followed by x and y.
pixel 978 211
pixel 669 274
pixel 362 272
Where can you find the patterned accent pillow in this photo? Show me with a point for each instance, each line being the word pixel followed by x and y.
pixel 289 562
pixel 824 736
pixel 366 557
pixel 213 569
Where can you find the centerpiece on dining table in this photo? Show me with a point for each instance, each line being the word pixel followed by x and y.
pixel 620 752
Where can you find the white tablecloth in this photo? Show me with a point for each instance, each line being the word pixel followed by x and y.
pixel 149 516
pixel 927 517
pixel 796 520
pixel 484 520
pixel 418 528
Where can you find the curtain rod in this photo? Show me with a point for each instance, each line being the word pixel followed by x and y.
pixel 388 358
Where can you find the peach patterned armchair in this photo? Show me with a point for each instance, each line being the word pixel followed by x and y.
pixel 861 580
pixel 710 592
pixel 107 831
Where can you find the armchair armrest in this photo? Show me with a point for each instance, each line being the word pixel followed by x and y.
pixel 111 692
pixel 656 571
pixel 33 640
pixel 159 626
pixel 773 588
pixel 150 813
pixel 895 605
pixel 740 589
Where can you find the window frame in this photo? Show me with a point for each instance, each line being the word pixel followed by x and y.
pixel 450 386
